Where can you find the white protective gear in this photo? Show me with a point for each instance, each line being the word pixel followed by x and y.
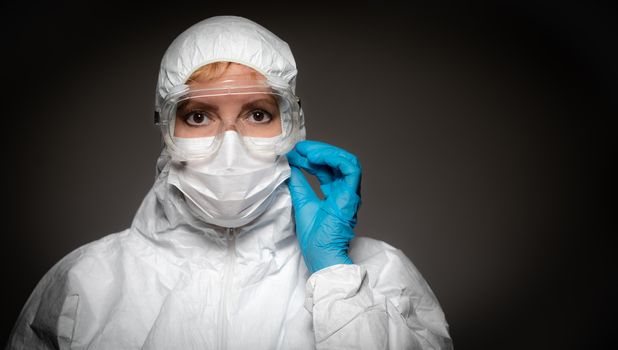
pixel 173 281
pixel 234 186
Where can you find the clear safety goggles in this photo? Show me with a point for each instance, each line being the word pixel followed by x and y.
pixel 265 113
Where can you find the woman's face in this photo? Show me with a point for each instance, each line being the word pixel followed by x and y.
pixel 249 111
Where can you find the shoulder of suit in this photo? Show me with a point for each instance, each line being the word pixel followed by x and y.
pixel 366 248
pixel 385 263
pixel 89 259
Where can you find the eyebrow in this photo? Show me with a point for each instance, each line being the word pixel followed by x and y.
pixel 270 101
pixel 204 105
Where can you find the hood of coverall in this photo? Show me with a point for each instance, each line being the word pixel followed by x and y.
pixel 224 38
pixel 164 216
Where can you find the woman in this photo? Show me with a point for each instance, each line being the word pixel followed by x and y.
pixel 231 248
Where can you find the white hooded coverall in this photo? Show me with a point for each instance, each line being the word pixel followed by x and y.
pixel 171 281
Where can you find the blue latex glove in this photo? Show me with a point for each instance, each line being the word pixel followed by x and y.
pixel 324 228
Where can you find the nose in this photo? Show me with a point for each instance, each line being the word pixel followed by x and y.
pixel 230 126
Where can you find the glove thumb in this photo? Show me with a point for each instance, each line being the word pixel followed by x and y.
pixel 300 189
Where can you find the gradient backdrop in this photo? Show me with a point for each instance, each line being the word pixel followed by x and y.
pixel 486 134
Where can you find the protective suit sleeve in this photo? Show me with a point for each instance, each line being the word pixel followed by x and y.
pixel 379 302
pixel 47 319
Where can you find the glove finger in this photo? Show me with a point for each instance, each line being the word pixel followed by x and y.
pixel 326 189
pixel 346 202
pixel 296 159
pixel 350 171
pixel 323 173
pixel 306 147
pixel 300 189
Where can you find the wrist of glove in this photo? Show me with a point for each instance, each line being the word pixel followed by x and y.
pixel 321 253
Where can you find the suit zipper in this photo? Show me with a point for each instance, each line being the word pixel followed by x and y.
pixel 226 284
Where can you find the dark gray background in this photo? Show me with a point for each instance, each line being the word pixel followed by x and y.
pixel 486 134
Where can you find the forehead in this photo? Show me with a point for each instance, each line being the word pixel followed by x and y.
pixel 234 71
pixel 236 68
pixel 237 83
pixel 232 100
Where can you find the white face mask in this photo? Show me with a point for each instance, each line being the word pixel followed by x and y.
pixel 234 186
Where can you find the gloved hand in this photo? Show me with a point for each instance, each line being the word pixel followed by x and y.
pixel 324 228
